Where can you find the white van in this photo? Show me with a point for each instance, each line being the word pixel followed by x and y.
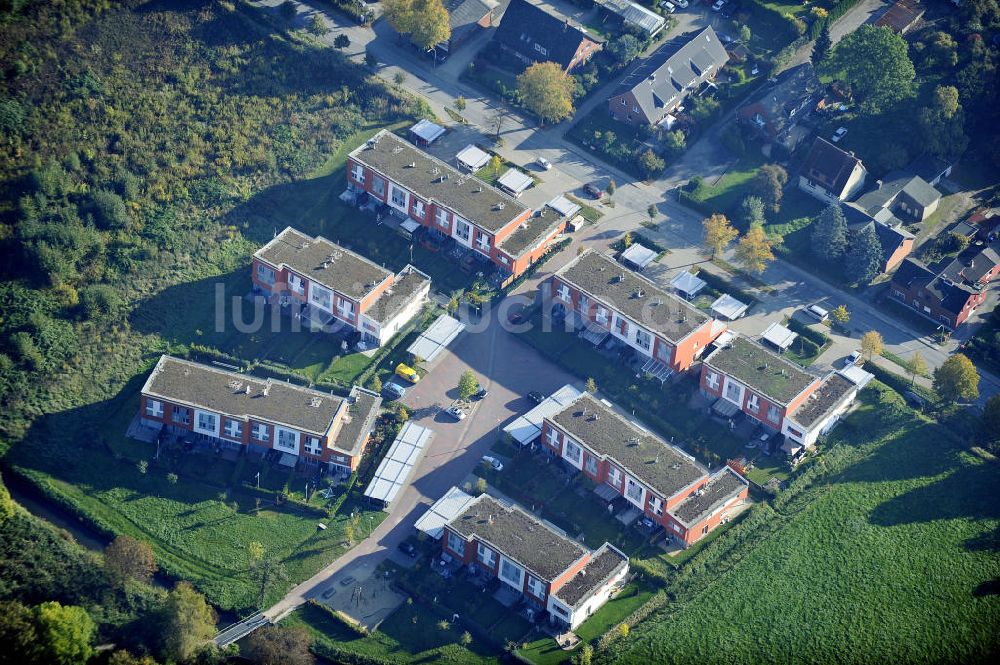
pixel 818 313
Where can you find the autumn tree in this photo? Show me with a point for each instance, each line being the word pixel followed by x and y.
pixel 187 622
pixel 876 63
pixel 430 24
pixel 768 184
pixel 957 379
pixel 547 91
pixel 863 257
pixel 718 233
pixel 467 384
pixel 872 344
pixel 591 385
pixel 840 314
pixel 274 645
pixel 829 235
pixel 916 365
pixel 754 250
pixel 266 573
pixel 127 558
pixel 399 14
pixel 650 163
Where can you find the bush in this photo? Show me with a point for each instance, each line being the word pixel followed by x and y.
pixel 814 336
pixel 99 301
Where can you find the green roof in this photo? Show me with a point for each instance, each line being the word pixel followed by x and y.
pixel 761 370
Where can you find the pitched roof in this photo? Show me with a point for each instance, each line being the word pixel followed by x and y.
pixel 901 15
pixel 761 370
pixel 518 536
pixel 324 262
pixel 465 12
pixel 662 467
pixel 620 288
pixel 434 180
pixel 912 272
pixel 634 14
pixel 783 103
pixel 892 186
pixel 242 396
pixel 525 25
pixel 829 166
pixel 604 565
pixel 674 71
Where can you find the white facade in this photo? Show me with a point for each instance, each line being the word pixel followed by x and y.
pixel 574 617
pixel 808 437
pixel 384 332
pixel 855 182
pixel 206 422
pixel 286 440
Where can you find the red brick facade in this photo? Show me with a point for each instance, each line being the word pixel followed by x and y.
pixel 763 404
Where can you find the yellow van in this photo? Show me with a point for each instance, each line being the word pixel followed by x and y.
pixel 407 372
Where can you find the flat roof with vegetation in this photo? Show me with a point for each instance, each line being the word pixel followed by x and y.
pixel 721 488
pixel 761 370
pixel 605 564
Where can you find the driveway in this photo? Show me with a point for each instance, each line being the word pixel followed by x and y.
pixel 509 369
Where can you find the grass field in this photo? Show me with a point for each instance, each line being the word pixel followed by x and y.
pixel 408 635
pixel 892 558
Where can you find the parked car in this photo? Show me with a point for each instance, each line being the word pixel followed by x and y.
pixel 839 134
pixel 394 390
pixel 543 163
pixel 455 412
pixel 493 462
pixel 819 313
pixel 915 399
pixel 405 371
pixel 852 359
pixel 536 397
pixel 669 6
pixel 719 4
pixel 479 394
pixel 347 581
pixel 408 549
pixel 594 190
pixel 683 4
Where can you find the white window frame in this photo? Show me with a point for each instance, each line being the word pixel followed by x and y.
pixel 541 49
pixel 601 315
pixel 583 304
pixel 266 273
pixel 419 209
pixel 501 573
pixel 462 231
pixel 358 172
pixel 456 543
pixel 345 308
pixel 643 339
pixel 296 284
pixel 536 586
pixel 154 408
pixel 483 241
pixel 378 185
pixel 233 429
pixel 485 555
pixel 615 476
pixel 213 418
pixel 632 484
pixel 176 412
pixel 503 259
pixel 313 445
pixel 321 297
pixel 753 403
pixel 563 292
pixel 592 461
pixel 260 432
pixel 402 205
pixel 552 436
pixel 771 408
pixel 286 440
pixel 573 452
pixel 441 217
pixel 712 379
pixel 657 506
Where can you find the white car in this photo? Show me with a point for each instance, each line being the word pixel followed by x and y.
pixel 493 462
pixel 455 413
pixel 543 163
pixel 717 7
pixel 683 4
pixel 852 359
pixel 669 6
pixel 839 134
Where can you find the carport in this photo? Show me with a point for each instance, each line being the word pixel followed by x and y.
pixel 728 308
pixel 528 427
pixel 472 158
pixel 688 285
pixel 778 336
pixel 436 338
pixel 514 182
pixel 397 467
pixel 638 256
pixel 426 132
pixel 442 511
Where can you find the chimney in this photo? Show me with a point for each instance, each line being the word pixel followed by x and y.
pixel 566 25
pixel 246 391
pixel 267 387
pixel 878 184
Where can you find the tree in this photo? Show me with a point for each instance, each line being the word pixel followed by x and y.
pixel 430 24
pixel 754 250
pixel 624 48
pixel 481 484
pixel 821 48
pixel 745 33
pixel 991 419
pixel 317 25
pixel 64 633
pixel 612 187
pixel 274 645
pixel 375 384
pixel 718 233
pixel 752 211
pixel 496 163
pixel 100 301
pixel 467 384
pixel 871 344
pixel 109 210
pixel 586 655
pixel 371 60
pixel 399 14
pixel 172 478
pixel 266 573
pixel 591 385
pixel 127 558
pixel 829 236
pixel 460 103
pixel 864 256
pixel 840 314
pixel 652 211
pixel 547 91
pixel 942 123
pixel 876 64
pixel 18 634
pixel 627 240
pixel 255 551
pixel 916 365
pixel 465 639
pixel 674 143
pixel 7 505
pixel 768 184
pixel 187 622
pixel 956 379
pixel 651 164
pixel 341 41
pixel 122 657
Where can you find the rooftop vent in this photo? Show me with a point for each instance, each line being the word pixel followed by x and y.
pixel 397 149
pixel 234 384
pixel 411 165
pixel 267 389
pixel 315 402
pixel 247 389
pixel 435 170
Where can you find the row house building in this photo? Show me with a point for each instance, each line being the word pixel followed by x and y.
pixel 666 484
pixel 744 376
pixel 451 203
pixel 554 573
pixel 236 410
pixel 602 295
pixel 330 285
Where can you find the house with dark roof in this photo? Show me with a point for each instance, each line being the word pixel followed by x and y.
pixel 551 571
pixel 901 16
pixel 602 297
pixel 775 116
pixel 950 295
pixel 454 207
pixel 906 195
pixel 466 18
pixel 234 410
pixel 660 83
pixel 831 174
pixel 896 242
pixel 744 376
pixel 666 484
pixel 330 287
pixel 531 34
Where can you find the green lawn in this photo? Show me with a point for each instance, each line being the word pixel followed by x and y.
pixel 726 194
pixel 889 556
pixel 410 634
pixel 613 141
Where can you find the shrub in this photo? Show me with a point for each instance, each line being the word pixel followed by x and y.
pixel 99 301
